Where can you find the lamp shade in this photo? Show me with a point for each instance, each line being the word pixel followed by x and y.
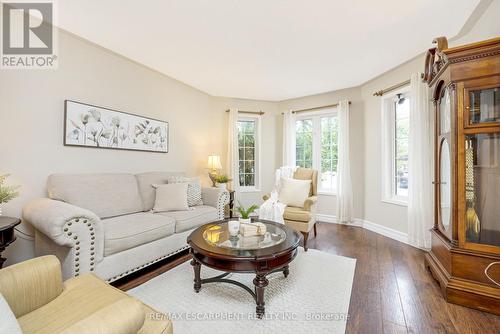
pixel 214 162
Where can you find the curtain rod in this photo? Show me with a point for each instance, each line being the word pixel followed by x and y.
pixel 389 89
pixel 316 108
pixel 396 86
pixel 260 112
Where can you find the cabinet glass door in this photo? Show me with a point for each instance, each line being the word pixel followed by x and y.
pixel 445 185
pixel 482 188
pixel 445 197
pixel 484 105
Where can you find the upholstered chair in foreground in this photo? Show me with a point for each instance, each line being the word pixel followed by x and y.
pixel 303 219
pixel 43 303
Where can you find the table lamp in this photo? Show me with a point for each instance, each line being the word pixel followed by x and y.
pixel 213 165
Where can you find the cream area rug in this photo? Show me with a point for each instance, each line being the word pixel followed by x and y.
pixel 314 298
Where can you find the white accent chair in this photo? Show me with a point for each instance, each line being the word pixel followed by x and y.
pixel 303 219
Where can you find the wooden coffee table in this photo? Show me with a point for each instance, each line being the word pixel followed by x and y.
pixel 212 246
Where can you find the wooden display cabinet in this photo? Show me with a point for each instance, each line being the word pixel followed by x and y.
pixel 465 86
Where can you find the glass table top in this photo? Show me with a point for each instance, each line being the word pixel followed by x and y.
pixel 249 236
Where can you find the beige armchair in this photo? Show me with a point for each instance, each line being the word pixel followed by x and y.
pixel 43 303
pixel 303 219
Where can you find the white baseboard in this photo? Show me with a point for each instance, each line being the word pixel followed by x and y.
pixel 382 230
pixel 326 218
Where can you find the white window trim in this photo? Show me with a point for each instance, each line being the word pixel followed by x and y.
pixel 388 149
pixel 316 163
pixel 256 188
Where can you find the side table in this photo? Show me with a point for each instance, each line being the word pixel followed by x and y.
pixel 7 235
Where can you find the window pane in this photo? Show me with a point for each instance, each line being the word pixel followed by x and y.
pixel 249 140
pixel 246 152
pixel 249 180
pixel 401 131
pixel 249 167
pixel 304 142
pixel 241 167
pixel 249 153
pixel 329 153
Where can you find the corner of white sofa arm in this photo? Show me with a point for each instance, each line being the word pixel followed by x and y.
pixel 69 226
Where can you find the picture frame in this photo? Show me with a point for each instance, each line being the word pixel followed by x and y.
pixel 91 126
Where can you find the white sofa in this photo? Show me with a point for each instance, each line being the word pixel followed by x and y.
pixel 103 223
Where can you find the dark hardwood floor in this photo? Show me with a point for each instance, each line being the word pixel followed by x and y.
pixel 392 291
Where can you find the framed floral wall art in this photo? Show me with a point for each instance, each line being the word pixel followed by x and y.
pixel 87 125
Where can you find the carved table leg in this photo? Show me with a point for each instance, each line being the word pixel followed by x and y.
pixel 286 271
pixel 197 278
pixel 260 281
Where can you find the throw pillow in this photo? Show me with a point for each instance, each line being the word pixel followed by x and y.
pixel 193 190
pixel 8 321
pixel 171 197
pixel 294 192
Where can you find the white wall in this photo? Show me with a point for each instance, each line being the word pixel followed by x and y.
pixel 387 214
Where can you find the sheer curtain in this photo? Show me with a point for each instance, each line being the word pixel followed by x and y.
pixel 288 138
pixel 420 215
pixel 344 186
pixel 232 150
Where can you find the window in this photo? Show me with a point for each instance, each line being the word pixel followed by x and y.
pixel 316 138
pixel 396 118
pixel 402 126
pixel 329 153
pixel 248 152
pixel 304 143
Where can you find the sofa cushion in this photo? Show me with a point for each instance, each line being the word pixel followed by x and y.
pixel 106 195
pixel 125 232
pixel 308 174
pixel 171 197
pixel 145 182
pixel 294 192
pixel 193 190
pixel 187 220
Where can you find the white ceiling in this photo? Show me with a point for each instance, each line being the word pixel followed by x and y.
pixel 262 49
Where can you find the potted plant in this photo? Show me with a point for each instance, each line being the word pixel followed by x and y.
pixel 7 193
pixel 244 214
pixel 222 181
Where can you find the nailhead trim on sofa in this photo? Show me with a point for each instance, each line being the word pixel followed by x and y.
pixel 221 204
pixel 114 278
pixel 68 230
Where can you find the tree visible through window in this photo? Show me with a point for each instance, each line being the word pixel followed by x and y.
pixel 247 130
pixel 304 143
